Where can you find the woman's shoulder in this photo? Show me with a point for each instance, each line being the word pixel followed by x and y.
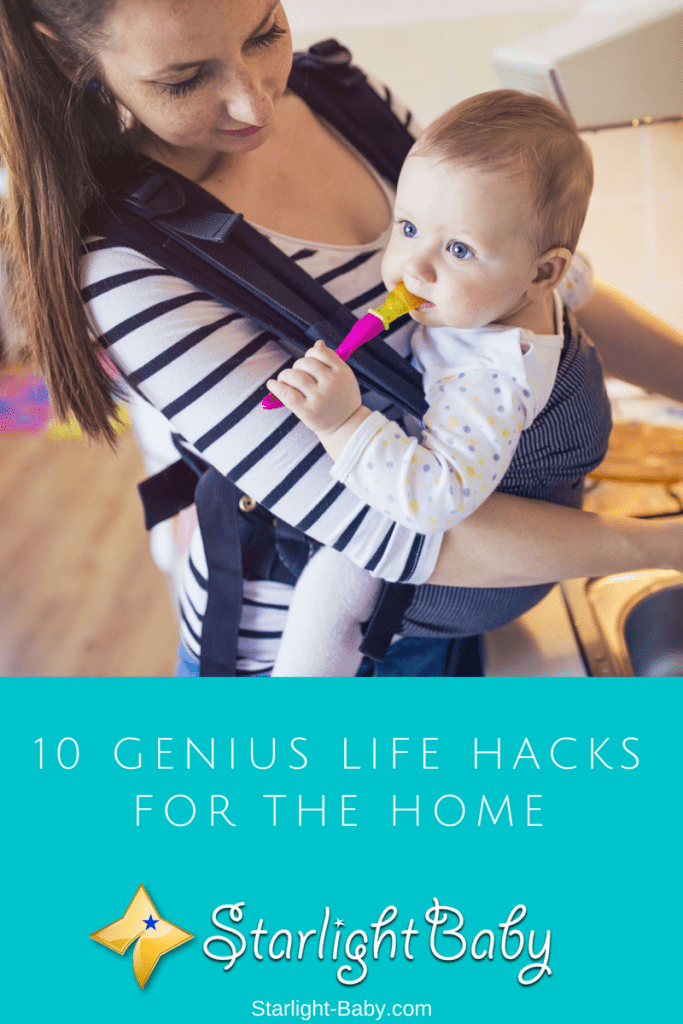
pixel 338 54
pixel 104 261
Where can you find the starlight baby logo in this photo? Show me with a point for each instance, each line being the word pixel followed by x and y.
pixel 143 922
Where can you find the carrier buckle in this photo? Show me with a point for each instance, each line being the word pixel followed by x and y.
pixel 154 196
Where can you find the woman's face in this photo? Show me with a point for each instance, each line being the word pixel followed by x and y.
pixel 203 76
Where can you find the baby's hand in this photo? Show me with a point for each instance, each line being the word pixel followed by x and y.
pixel 320 389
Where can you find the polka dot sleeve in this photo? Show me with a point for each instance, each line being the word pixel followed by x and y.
pixel 577 285
pixel 472 426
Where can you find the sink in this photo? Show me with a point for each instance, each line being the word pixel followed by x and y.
pixel 653 633
pixel 630 623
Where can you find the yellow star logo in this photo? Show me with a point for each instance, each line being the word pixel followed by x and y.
pixel 155 936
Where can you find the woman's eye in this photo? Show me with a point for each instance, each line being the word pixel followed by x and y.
pixel 408 229
pixel 460 251
pixel 182 88
pixel 269 37
pixel 258 42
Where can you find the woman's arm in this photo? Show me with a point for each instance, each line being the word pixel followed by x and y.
pixel 634 345
pixel 515 542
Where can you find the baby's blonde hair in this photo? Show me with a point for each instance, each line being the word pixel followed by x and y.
pixel 525 136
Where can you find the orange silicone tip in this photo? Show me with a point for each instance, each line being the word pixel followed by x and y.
pixel 398 301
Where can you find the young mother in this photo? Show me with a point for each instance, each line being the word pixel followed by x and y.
pixel 201 86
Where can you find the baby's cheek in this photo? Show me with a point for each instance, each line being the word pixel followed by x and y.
pixel 461 311
pixel 347 380
pixel 390 273
pixel 475 307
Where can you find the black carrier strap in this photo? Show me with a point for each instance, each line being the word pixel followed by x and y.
pixel 185 229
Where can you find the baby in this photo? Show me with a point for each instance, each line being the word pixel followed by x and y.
pixel 489 207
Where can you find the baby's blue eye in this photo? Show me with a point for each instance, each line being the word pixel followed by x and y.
pixel 409 230
pixel 460 251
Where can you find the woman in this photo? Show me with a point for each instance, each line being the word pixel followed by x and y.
pixel 202 84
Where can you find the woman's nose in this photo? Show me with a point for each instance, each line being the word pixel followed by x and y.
pixel 248 99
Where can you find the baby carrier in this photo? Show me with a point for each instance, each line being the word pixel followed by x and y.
pixel 180 226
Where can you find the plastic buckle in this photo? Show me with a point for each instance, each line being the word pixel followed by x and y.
pixel 331 52
pixel 331 56
pixel 154 196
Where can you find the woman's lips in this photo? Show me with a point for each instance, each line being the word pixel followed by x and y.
pixel 242 133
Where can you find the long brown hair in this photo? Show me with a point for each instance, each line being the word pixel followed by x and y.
pixel 53 135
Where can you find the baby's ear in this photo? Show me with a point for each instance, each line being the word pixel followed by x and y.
pixel 549 270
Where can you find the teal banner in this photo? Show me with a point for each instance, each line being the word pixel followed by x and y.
pixel 239 850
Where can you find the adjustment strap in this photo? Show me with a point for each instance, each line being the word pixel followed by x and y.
pixel 167 493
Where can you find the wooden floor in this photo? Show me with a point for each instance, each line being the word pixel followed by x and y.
pixel 79 592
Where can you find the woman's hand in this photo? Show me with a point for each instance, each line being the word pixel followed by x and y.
pixel 323 392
